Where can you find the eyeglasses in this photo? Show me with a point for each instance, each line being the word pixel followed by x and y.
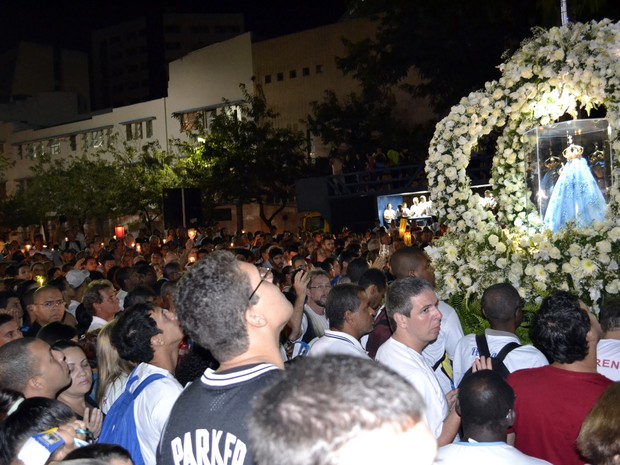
pixel 322 286
pixel 53 303
pixel 265 275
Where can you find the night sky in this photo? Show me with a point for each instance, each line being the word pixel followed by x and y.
pixel 68 23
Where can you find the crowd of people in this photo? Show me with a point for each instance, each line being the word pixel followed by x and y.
pixel 292 348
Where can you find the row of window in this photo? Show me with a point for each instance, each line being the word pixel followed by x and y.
pixel 292 74
pixel 201 120
pixel 90 139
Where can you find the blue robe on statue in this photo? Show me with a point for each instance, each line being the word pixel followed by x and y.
pixel 576 197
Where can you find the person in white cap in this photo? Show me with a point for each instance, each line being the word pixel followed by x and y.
pixel 77 280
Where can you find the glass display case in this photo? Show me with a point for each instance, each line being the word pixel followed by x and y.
pixel 569 171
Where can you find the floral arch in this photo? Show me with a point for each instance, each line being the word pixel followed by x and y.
pixel 558 71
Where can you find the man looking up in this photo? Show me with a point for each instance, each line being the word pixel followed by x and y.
pixel 30 366
pixel 350 317
pixel 552 401
pixel 413 311
pixel 232 309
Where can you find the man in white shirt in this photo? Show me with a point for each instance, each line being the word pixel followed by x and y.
pixel 412 308
pixel 101 302
pixel 412 261
pixel 350 317
pixel 309 320
pixel 503 307
pixel 150 336
pixel 485 403
pixel 608 348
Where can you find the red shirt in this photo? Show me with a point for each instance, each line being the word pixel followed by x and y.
pixel 550 406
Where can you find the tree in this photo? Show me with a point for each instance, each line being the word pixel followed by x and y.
pixel 143 174
pixel 244 157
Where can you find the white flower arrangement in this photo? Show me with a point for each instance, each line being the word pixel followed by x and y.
pixel 556 72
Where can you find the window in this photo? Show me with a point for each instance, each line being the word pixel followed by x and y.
pixel 192 121
pixel 292 74
pixel 95 139
pixel 268 79
pixel 20 152
pixel 319 69
pixel 134 131
pixel 149 128
pixel 280 76
pixel 210 117
pixel 305 71
pixel 54 146
pixel 73 142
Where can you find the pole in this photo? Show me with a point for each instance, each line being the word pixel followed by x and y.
pixel 563 12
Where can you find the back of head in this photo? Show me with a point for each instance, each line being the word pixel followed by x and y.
pixel 500 302
pixel 318 406
pixel 105 453
pixel 131 336
pixel 599 438
pixel 211 302
pixel 357 267
pixel 109 363
pixel 609 317
pixel 56 331
pixel 373 276
pixel 484 400
pixel 341 298
pixel 139 295
pixel 31 417
pixel 17 365
pixel 405 260
pixel 399 294
pixel 121 276
pixel 560 328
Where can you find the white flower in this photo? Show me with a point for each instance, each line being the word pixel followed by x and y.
pixel 500 247
pixel 589 267
pixel 493 240
pixel 604 247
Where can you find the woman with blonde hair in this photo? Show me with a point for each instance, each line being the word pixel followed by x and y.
pixel 113 370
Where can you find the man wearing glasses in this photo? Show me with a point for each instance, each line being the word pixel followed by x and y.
pixel 232 309
pixel 309 320
pixel 49 306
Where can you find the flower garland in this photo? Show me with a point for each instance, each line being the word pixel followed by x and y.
pixel 556 72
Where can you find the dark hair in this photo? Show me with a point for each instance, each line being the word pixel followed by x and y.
pixel 32 416
pixel 609 317
pixel 133 332
pixel 211 300
pixel 56 331
pixel 357 267
pixel 500 302
pixel 121 276
pixel 560 328
pixel 399 294
pixel 342 298
pixel 317 405
pixel 405 260
pixel 373 276
pixel 5 318
pixel 92 294
pixel 485 400
pixel 105 452
pixel 5 296
pixel 17 365
pixel 194 364
pixel 170 268
pixel 274 252
pixel 139 295
pixel 8 397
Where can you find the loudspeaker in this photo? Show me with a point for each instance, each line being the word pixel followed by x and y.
pixel 182 207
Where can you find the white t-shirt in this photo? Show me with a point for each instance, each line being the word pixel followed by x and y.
pixel 484 453
pixel 526 356
pixel 413 367
pixel 152 408
pixel 319 321
pixel 608 355
pixel 97 323
pixel 112 392
pixel 337 343
pixel 450 334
